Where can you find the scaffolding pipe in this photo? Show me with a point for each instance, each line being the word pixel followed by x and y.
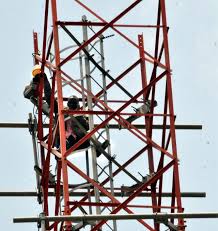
pixel 118 194
pixel 84 218
pixel 111 126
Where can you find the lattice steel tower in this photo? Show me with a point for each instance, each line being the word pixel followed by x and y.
pixel 120 71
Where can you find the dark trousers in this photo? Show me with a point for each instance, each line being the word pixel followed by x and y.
pixel 71 141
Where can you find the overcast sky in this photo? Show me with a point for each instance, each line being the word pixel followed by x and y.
pixel 193 40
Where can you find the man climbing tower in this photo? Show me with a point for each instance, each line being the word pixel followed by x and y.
pixel 76 126
pixel 31 91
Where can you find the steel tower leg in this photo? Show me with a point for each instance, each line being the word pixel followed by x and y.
pixel 60 114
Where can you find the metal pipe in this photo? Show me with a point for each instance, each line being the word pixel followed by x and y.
pixel 117 194
pixel 90 107
pixel 111 126
pixel 32 128
pixel 155 216
pixel 107 128
pixel 89 23
pixel 83 108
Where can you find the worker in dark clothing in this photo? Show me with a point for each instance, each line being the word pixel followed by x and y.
pixel 77 127
pixel 31 91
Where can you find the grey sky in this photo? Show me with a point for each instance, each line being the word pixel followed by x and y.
pixel 193 40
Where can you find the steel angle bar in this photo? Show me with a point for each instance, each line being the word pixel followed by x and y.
pixel 76 58
pixel 155 216
pixel 104 191
pixel 105 112
pixel 40 129
pixel 116 113
pixel 115 173
pixel 139 190
pixel 101 31
pixel 130 126
pixel 94 62
pixel 114 126
pixel 48 64
pixel 127 123
pixel 176 178
pixel 109 204
pixel 118 78
pixel 45 175
pixel 89 23
pixel 159 126
pixel 86 196
pixel 45 34
pixel 58 192
pixel 82 193
pixel 60 108
pixel 32 130
pixel 36 49
pixel 49 46
pixel 153 60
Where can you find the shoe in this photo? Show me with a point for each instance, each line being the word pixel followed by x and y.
pixel 103 146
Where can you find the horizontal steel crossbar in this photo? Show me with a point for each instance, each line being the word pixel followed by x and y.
pixel 118 194
pixel 112 126
pixel 157 216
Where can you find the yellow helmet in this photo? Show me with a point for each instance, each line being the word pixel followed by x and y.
pixel 36 70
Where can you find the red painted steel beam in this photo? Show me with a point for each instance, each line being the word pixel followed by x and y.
pixel 122 121
pixel 119 77
pixel 100 32
pixel 88 112
pixel 113 174
pixel 115 81
pixel 116 113
pixel 139 190
pixel 40 90
pixel 57 192
pixel 171 110
pixel 153 60
pixel 46 165
pixel 60 117
pixel 35 44
pixel 45 34
pixel 104 191
pixel 163 140
pixel 92 60
pixel 129 125
pixel 158 55
pixel 148 123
